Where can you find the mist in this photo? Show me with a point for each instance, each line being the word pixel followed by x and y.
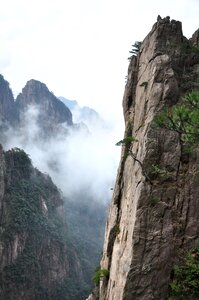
pixel 83 162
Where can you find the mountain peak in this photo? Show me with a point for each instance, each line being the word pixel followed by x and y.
pixel 34 92
pixel 36 84
pixel 51 110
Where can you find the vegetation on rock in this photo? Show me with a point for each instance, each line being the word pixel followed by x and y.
pixel 44 263
pixel 135 49
pixel 182 118
pixel 99 275
pixel 185 283
pixel 126 141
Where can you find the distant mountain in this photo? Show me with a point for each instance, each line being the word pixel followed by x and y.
pixel 52 113
pixel 42 125
pixel 71 104
pixel 52 109
pixel 34 102
pixel 8 111
pixel 83 114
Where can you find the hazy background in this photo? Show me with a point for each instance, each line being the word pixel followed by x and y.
pixel 82 163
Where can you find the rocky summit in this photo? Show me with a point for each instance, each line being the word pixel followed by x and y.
pixel 34 102
pixel 51 109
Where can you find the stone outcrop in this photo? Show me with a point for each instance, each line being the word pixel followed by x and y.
pixel 37 261
pixel 152 218
pixel 51 111
pixel 8 112
pixel 36 104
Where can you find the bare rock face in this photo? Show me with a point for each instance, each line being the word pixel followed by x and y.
pixel 152 218
pixel 8 111
pixel 35 104
pixel 51 111
pixel 37 262
pixel 195 38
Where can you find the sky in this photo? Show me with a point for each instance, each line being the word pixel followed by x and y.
pixel 79 48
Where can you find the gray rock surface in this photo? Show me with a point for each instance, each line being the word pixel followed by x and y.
pixel 52 112
pixel 8 112
pixel 151 218
pixel 36 262
pixel 36 102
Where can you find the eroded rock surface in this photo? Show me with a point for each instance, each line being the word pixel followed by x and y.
pixel 151 218
pixel 50 111
pixel 37 261
pixel 8 112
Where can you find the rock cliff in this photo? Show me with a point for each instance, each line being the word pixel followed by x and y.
pixel 35 103
pixel 33 235
pixel 51 111
pixel 8 111
pixel 153 216
pixel 37 261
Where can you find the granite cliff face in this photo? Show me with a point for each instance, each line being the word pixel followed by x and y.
pixel 37 102
pixel 8 111
pixel 153 218
pixel 37 260
pixel 51 111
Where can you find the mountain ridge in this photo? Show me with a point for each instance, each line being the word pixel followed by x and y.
pixel 44 128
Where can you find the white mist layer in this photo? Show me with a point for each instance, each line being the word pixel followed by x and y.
pixel 81 163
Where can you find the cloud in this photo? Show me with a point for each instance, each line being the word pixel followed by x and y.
pixel 81 163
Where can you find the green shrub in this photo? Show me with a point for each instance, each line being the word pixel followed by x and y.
pixel 153 201
pixel 144 84
pixel 188 49
pixel 161 172
pixel 100 274
pixel 18 162
pixel 117 229
pixel 185 284
pixel 183 118
pixel 135 49
pixel 126 141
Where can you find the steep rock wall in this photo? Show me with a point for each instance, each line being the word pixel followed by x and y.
pixel 37 260
pixel 51 111
pixel 35 104
pixel 152 218
pixel 8 112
